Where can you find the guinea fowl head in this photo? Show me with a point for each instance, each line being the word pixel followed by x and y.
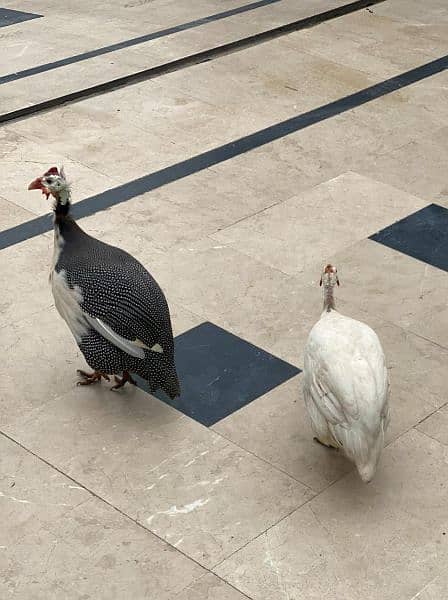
pixel 329 277
pixel 53 183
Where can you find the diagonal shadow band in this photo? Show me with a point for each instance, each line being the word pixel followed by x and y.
pixel 195 164
pixel 186 61
pixel 141 39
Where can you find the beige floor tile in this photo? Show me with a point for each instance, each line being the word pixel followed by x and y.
pixel 25 160
pixel 435 590
pixel 47 40
pixel 275 172
pixel 398 118
pixel 413 11
pixel 11 214
pixel 260 304
pixel 97 70
pixel 434 326
pixel 368 42
pixel 383 541
pixel 24 270
pixel 210 587
pixel 400 288
pixel 294 80
pixel 47 367
pixel 49 358
pixel 417 167
pixel 212 493
pixel 24 92
pixel 436 426
pixel 308 228
pixel 107 144
pixel 59 541
pixel 276 427
pixel 416 368
pixel 177 214
pixel 185 483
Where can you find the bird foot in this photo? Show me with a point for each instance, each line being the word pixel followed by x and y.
pixel 120 382
pixel 329 446
pixel 89 378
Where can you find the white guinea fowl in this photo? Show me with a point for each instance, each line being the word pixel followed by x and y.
pixel 345 384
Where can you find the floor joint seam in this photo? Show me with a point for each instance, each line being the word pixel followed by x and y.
pixel 430 436
pixel 422 337
pixel 106 502
pixel 277 523
pixel 225 152
pixel 264 460
pixel 190 60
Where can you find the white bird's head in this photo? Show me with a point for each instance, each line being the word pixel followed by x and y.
pixel 53 183
pixel 329 277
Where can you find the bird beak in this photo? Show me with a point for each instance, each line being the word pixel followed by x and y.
pixel 337 280
pixel 320 282
pixel 37 184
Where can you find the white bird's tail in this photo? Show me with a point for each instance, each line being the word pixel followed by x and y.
pixel 367 462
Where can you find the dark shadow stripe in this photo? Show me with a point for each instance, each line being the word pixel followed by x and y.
pixel 220 373
pixel 197 163
pixel 422 235
pixel 187 61
pixel 134 41
pixel 14 17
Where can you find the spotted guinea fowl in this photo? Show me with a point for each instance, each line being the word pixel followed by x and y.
pixel 114 308
pixel 345 384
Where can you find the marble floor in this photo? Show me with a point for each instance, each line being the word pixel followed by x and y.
pixel 233 181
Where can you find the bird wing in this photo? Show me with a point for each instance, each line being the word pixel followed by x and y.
pixel 118 298
pixel 345 367
pixel 336 409
pixel 133 347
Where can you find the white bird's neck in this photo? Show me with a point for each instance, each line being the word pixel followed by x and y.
pixel 329 304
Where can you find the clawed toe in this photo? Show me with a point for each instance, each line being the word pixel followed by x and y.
pixel 119 382
pixel 89 378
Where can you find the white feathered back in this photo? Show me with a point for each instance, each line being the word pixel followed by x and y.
pixel 345 384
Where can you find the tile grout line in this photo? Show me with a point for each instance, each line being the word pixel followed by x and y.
pixel 311 499
pixel 226 152
pixel 135 41
pixel 193 583
pixel 422 337
pixel 27 210
pixel 189 60
pixel 276 523
pixel 101 499
pixel 351 245
pixel 430 436
pixel 415 427
pixel 264 460
pixel 136 522
pixel 444 405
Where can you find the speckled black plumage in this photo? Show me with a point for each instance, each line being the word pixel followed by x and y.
pixel 117 289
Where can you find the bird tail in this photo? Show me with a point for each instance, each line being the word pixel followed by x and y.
pixel 367 463
pixel 171 386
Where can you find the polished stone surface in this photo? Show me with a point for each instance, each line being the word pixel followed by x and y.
pixel 60 541
pixel 186 484
pixel 354 540
pixel 233 182
pixel 221 373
